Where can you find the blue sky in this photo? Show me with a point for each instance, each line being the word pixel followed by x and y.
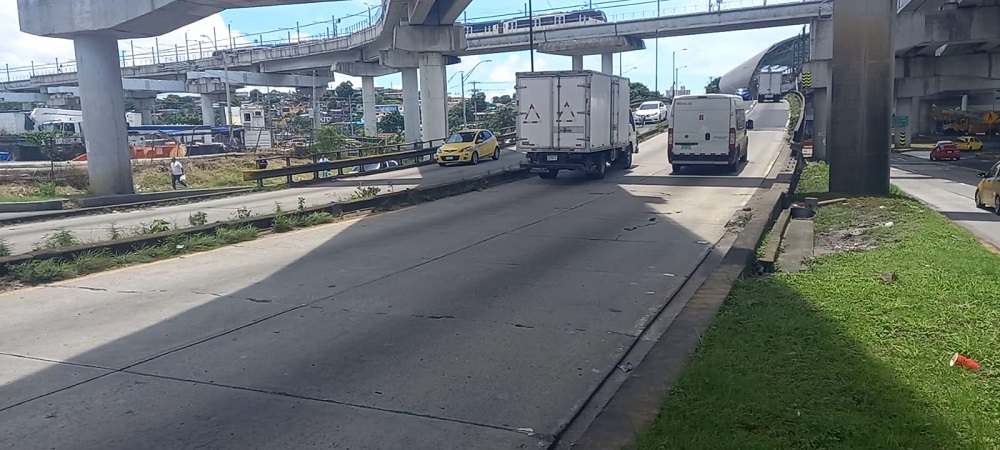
pixel 706 55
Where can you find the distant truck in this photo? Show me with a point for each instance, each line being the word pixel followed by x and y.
pixel 574 120
pixel 15 122
pixel 70 120
pixel 769 87
pixel 709 129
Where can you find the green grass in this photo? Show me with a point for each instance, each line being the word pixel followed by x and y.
pixel 837 358
pixel 795 110
pixel 35 272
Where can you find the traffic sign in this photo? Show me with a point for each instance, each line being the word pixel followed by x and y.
pixel 900 121
pixel 991 117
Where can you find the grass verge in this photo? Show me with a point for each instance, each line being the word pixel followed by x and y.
pixel 49 270
pixel 794 111
pixel 854 352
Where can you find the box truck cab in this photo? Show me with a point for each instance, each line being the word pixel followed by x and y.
pixel 708 129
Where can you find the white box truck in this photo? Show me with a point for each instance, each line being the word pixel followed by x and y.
pixel 709 129
pixel 574 120
pixel 769 87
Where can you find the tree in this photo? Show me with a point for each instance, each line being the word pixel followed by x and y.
pixel 391 123
pixel 344 90
pixel 256 95
pixel 502 100
pixel 328 139
pixel 713 86
pixel 501 119
pixel 640 92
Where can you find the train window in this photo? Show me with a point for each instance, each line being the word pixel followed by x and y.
pixel 547 21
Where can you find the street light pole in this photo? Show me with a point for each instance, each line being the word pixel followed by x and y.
pixel 656 83
pixel 465 76
pixel 531 35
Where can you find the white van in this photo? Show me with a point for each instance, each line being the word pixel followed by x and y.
pixel 708 129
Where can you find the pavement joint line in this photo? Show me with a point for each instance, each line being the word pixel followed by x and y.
pixel 334 402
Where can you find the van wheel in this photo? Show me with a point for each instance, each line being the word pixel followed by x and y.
pixel 733 166
pixel 677 168
pixel 746 156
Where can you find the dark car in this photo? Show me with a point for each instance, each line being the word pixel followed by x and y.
pixel 945 150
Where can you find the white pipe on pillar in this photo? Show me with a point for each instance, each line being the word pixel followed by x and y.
pixel 608 63
pixel 368 105
pixel 433 97
pixel 577 62
pixel 103 100
pixel 965 102
pixel 411 105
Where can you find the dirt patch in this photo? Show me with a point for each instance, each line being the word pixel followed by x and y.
pixel 847 240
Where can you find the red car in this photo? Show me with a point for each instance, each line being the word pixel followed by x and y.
pixel 945 150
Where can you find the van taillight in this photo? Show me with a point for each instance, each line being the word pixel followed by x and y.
pixel 732 137
pixel 670 139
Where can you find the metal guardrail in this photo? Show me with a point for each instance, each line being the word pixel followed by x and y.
pixel 259 175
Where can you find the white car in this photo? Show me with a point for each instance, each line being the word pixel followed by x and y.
pixel 654 111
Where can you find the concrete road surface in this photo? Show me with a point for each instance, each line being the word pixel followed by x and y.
pixel 479 321
pixel 22 237
pixel 949 189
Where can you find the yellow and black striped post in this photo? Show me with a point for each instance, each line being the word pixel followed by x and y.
pixel 807 80
pixel 902 138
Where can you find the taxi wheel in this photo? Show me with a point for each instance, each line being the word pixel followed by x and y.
pixel 979 200
pixel 496 153
pixel 442 164
pixel 996 204
pixel 475 158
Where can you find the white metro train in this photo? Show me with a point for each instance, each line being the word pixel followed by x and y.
pixel 542 22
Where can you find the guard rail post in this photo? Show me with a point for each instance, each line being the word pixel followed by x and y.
pixel 288 163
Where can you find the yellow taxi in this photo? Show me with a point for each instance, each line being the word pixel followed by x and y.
pixel 969 143
pixel 988 189
pixel 468 146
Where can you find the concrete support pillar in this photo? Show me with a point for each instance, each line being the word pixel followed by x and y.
pixel 861 97
pixel 368 105
pixel 965 102
pixel 146 106
pixel 821 123
pixel 433 97
pixel 208 110
pixel 103 101
pixel 926 124
pixel 411 105
pixel 577 62
pixel 608 63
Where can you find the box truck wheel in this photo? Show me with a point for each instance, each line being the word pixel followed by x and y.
pixel 600 168
pixel 550 175
pixel 624 160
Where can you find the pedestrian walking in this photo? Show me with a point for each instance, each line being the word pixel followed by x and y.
pixel 177 173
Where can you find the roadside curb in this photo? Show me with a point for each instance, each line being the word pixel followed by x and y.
pixel 633 408
pixel 377 203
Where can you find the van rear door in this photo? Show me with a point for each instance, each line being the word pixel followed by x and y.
pixel 701 126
